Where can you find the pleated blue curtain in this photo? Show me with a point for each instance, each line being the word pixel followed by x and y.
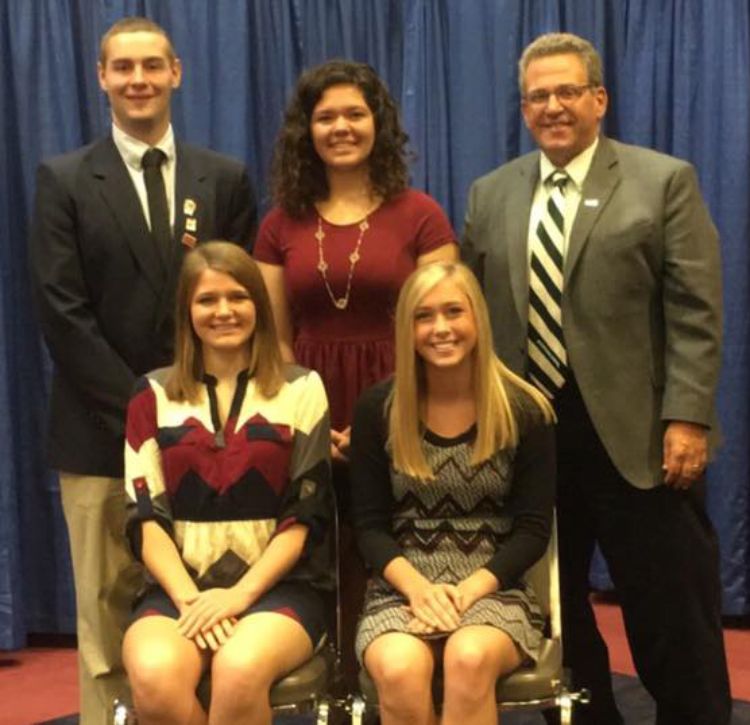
pixel 678 75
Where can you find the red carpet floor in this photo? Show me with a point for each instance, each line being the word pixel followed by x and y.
pixel 736 641
pixel 40 683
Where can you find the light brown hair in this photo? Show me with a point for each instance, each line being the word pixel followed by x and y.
pixel 134 24
pixel 186 373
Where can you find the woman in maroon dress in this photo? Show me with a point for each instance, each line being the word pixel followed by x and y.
pixel 345 233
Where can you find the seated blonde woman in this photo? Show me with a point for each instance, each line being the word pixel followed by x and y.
pixel 227 474
pixel 453 489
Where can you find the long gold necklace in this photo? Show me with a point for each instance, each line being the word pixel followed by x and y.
pixel 340 303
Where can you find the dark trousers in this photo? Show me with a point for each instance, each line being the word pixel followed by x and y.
pixel 662 555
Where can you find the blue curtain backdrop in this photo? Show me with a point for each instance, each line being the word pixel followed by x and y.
pixel 678 72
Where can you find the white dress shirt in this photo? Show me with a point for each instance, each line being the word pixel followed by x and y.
pixel 132 150
pixel 577 170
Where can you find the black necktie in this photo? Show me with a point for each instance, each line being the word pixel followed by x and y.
pixel 547 356
pixel 158 208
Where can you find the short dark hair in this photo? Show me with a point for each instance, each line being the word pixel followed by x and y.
pixel 186 374
pixel 298 176
pixel 134 24
pixel 562 44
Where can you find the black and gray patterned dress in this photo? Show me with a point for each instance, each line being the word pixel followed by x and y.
pixel 496 515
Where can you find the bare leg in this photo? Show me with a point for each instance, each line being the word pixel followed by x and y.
pixel 264 647
pixel 164 669
pixel 474 658
pixel 401 666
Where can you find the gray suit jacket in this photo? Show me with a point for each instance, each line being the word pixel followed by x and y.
pixel 104 295
pixel 642 293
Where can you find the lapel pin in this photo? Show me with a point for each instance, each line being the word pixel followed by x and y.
pixel 189 240
pixel 191 224
pixel 593 203
pixel 189 207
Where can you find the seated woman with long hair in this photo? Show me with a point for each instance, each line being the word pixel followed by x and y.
pixel 453 490
pixel 227 475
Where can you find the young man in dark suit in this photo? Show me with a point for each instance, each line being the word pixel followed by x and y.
pixel 112 222
pixel 601 268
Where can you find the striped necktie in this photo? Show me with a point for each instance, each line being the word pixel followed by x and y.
pixel 546 346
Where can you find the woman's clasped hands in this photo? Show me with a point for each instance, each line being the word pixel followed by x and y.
pixel 438 607
pixel 340 442
pixel 209 617
pixel 435 608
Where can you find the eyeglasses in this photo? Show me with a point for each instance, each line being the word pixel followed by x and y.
pixel 565 94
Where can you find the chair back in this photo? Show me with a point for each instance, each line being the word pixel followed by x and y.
pixel 544 578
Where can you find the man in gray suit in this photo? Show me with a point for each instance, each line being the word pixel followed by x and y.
pixel 601 268
pixel 106 247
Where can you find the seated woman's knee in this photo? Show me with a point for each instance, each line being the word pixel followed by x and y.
pixel 240 670
pixel 399 672
pixel 469 668
pixel 158 676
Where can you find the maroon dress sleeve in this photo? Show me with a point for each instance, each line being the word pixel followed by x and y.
pixel 433 229
pixel 268 245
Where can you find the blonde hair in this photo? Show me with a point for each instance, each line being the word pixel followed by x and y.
pixel 496 388
pixel 185 375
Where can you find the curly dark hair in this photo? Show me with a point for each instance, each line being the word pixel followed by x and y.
pixel 298 175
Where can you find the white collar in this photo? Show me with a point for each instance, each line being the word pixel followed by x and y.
pixel 132 149
pixel 577 169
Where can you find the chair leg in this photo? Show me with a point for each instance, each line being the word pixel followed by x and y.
pixel 358 711
pixel 566 709
pixel 123 715
pixel 324 712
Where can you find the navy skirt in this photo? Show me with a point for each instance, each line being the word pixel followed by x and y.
pixel 297 600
